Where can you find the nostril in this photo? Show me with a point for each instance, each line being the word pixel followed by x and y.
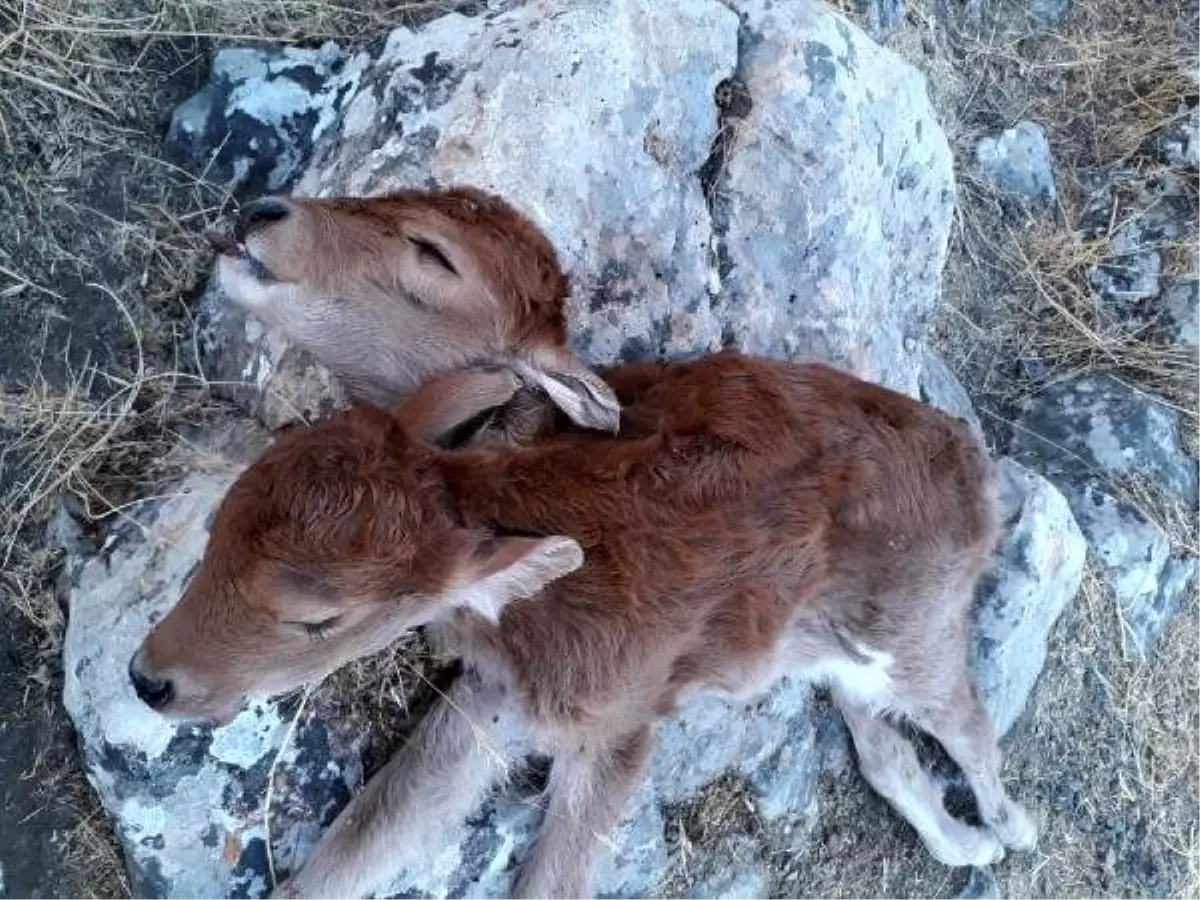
pixel 258 213
pixel 154 692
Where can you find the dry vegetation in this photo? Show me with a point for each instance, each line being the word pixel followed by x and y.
pixel 1115 74
pixel 101 254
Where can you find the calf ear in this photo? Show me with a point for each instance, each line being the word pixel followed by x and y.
pixel 503 569
pixel 445 403
pixel 573 387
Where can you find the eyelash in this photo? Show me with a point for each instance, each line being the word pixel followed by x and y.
pixel 433 252
pixel 318 631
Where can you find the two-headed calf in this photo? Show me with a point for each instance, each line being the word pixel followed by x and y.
pixel 753 519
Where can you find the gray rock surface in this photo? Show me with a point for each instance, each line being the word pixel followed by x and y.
pixel 1038 570
pixel 1179 143
pixel 776 183
pixel 1183 312
pixel 1047 13
pixel 188 801
pixel 1093 436
pixel 799 214
pixel 882 17
pixel 252 126
pixel 1003 15
pixel 258 368
pixel 1132 272
pixel 1017 162
pixel 940 386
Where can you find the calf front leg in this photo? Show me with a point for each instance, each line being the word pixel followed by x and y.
pixel 589 785
pixel 430 786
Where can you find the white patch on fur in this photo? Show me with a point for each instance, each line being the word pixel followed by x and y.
pixel 870 683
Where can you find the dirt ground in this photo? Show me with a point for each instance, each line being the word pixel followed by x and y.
pixel 100 261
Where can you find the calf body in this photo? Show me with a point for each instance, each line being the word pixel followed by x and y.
pixel 752 519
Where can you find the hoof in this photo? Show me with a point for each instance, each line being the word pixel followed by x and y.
pixel 1018 830
pixel 968 846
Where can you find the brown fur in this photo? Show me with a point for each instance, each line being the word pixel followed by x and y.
pixel 753 518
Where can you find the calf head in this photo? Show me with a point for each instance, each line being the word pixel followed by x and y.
pixel 338 540
pixel 391 291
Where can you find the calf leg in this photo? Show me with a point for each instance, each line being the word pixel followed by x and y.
pixel 961 725
pixel 432 784
pixel 888 761
pixel 587 791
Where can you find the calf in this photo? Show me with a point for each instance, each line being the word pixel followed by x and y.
pixel 752 519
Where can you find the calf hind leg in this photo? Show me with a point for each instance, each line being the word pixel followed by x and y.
pixel 889 762
pixel 961 725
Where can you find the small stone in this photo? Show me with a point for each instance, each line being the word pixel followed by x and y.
pixel 1179 143
pixel 1131 274
pixel 1047 13
pixel 1183 312
pixel 1018 164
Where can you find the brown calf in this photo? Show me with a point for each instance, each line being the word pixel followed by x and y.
pixel 390 291
pixel 754 518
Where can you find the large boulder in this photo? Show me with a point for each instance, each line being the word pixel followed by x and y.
pixel 252 126
pixel 710 179
pixel 1037 570
pixel 187 801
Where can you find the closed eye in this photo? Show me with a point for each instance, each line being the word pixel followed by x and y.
pixel 430 251
pixel 318 631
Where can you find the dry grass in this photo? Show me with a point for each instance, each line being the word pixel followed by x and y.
pixel 1127 821
pixel 1111 77
pixel 382 696
pixel 1050 314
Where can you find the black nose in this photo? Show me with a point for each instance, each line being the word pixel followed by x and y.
pixel 258 213
pixel 154 693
